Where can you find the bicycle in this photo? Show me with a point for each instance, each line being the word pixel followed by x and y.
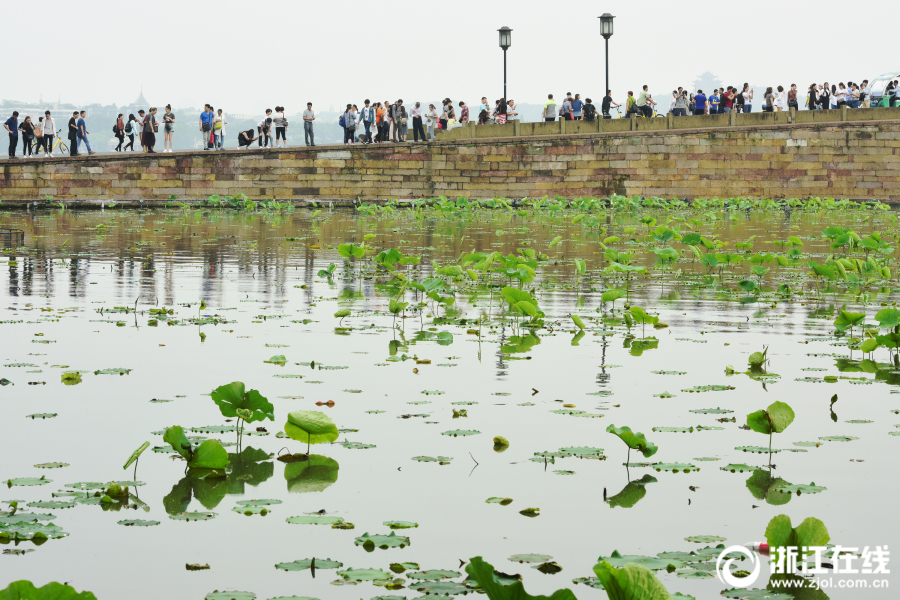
pixel 58 143
pixel 637 115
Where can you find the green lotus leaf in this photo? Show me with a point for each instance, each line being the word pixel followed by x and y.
pixel 313 475
pixel 306 563
pixel 112 372
pixel 209 455
pixel 839 438
pixel 633 440
pixel 789 488
pixel 233 396
pixel 483 573
pixel 25 590
pixel 444 460
pixel 179 442
pixel 28 481
pixel 310 426
pixel 138 523
pixel 498 500
pixel 811 532
pixel 136 454
pixel 56 504
pixel 704 539
pixel 756 594
pixel 846 320
pixel 632 582
pixel 30 531
pixel 442 588
pixel 674 467
pixel 650 562
pixel 314 520
pixel 757 449
pixel 591 582
pixel 433 575
pixel 530 558
pixel 41 416
pixel 365 574
pixel 193 516
pixel 217 595
pixel 401 524
pixel 740 468
pixel 461 432
pixel 712 411
pixel 382 541
pixel 674 429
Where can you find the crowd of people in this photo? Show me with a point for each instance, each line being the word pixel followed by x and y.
pixel 388 122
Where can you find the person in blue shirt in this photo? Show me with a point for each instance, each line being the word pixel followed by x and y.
pixel 699 103
pixel 12 126
pixel 577 105
pixel 206 124
pixel 83 133
pixel 714 102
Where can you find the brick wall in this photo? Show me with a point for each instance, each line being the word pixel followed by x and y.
pixel 850 159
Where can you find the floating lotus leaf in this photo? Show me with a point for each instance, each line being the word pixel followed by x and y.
pixel 28 481
pixel 740 468
pixel 548 568
pixel 313 475
pixel 374 412
pixel 660 395
pixel 704 539
pixel 694 574
pixel 439 459
pixel 310 426
pixel 567 411
pixel 193 516
pixel 501 501
pixel 314 520
pixel 755 594
pixel 790 488
pixel 757 449
pixel 25 590
pixel 461 432
pixel 708 388
pixel 217 595
pixel 682 556
pixel 364 574
pixel 30 531
pixel 356 445
pixel 401 567
pixel 56 504
pixel 591 582
pixel 653 563
pixel 440 588
pixel 382 541
pixel 433 575
pixel 632 581
pixel 41 416
pixel 711 411
pixel 674 429
pixel 302 565
pixel 26 517
pixel 504 587
pixel 138 523
pixel 674 467
pixel 51 465
pixel 266 502
pixel 581 451
pixel 252 510
pixel 277 360
pixel 530 558
pixel 669 372
pixel 839 438
pixel 113 372
pixel 401 524
pixel 214 429
pixel 633 440
pixel 707 458
pixel 714 551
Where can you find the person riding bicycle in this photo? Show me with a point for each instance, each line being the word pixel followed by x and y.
pixel 645 102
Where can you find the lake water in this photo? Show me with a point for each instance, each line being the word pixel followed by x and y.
pixel 69 303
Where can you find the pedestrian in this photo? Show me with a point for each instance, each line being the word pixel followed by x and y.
pixel 588 110
pixel 445 109
pixel 245 139
pixel 484 105
pixel 12 127
pixel 219 124
pixel 841 96
pixel 748 98
pixel 672 102
pixel 699 103
pixel 404 127
pixel 565 111
pixel 351 117
pixel 713 102
pixel 379 122
pixel 130 129
pixel 73 134
pixel 549 112
pixel 168 128
pixel 205 125
pixel 812 97
pixel 119 132
pixel 864 94
pixel 577 105
pixel 150 129
pixel 501 112
pixel 512 113
pixel 825 97
pixel 778 102
pixel 769 100
pixel 48 129
pixel 416 114
pixel 396 115
pixel 279 122
pixel 605 106
pixel 139 122
pixel 263 128
pixel 483 117
pixel 463 113
pixel 681 103
pixel 27 129
pixel 83 133
pixel 431 118
pixel 728 100
pixel 367 118
pixel 792 97
pixel 308 117
pixel 645 102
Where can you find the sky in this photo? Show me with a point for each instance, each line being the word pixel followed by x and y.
pixel 245 57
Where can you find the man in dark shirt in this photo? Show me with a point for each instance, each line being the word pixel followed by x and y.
pixel 607 102
pixel 83 133
pixel 73 134
pixel 12 126
pixel 246 138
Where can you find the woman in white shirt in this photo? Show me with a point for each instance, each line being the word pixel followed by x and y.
pixel 219 123
pixel 779 99
pixel 48 130
pixel 431 118
pixel 748 98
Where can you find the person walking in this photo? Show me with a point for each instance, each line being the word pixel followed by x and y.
pixel 130 129
pixel 119 132
pixel 778 102
pixel 168 128
pixel 606 105
pixel 279 122
pixel 699 103
pixel 445 113
pixel 824 97
pixel 139 129
pixel 404 122
pixel 769 100
pixel 549 112
pixel 588 110
pixel 396 115
pixel 205 125
pixel 308 117
pixel 48 129
pixel 150 129
pixel 73 134
pixel 812 97
pixel 747 94
pixel 351 120
pixel 416 113
pixel 27 129
pixel 367 118
pixel 431 118
pixel 83 133
pixel 219 123
pixel 12 127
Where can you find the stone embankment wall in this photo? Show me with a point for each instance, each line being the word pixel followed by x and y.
pixel 772 155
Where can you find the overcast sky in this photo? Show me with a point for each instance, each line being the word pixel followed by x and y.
pixel 245 56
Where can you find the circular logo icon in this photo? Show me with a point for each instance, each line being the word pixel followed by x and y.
pixel 723 567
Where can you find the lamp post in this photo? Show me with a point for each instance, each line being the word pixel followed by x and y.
pixel 606 30
pixel 505 42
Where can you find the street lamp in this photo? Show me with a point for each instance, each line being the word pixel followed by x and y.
pixel 505 42
pixel 606 30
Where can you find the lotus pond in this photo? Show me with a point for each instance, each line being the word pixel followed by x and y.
pixel 354 404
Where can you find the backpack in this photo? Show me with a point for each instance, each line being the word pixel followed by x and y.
pixel 588 111
pixel 341 121
pixel 116 129
pixel 128 128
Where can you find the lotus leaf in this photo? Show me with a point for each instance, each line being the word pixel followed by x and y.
pixel 789 488
pixel 461 432
pixel 444 460
pixel 310 426
pixel 632 582
pixel 356 445
pixel 839 438
pixel 740 468
pixel 138 523
pixel 382 541
pixel 364 574
pixel 811 532
pixel 27 481
pixel 112 372
pixel 30 531
pixel 712 411
pixel 757 449
pixel 633 440
pixel 650 562
pixel 704 539
pixel 581 451
pixel 440 588
pixel 233 396
pixel 51 465
pixel 217 595
pixel 484 574
pixel 313 475
pixel 302 565
pixel 314 520
pixel 41 416
pixel 193 516
pixel 51 504
pixel 755 594
pixel 25 590
pixel 591 582
pixel 401 524
pixel 674 429
pixel 530 558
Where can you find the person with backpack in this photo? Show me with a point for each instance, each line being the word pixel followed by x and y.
pixel 351 118
pixel 129 130
pixel 280 123
pixel 367 118
pixel 399 116
pixel 119 132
